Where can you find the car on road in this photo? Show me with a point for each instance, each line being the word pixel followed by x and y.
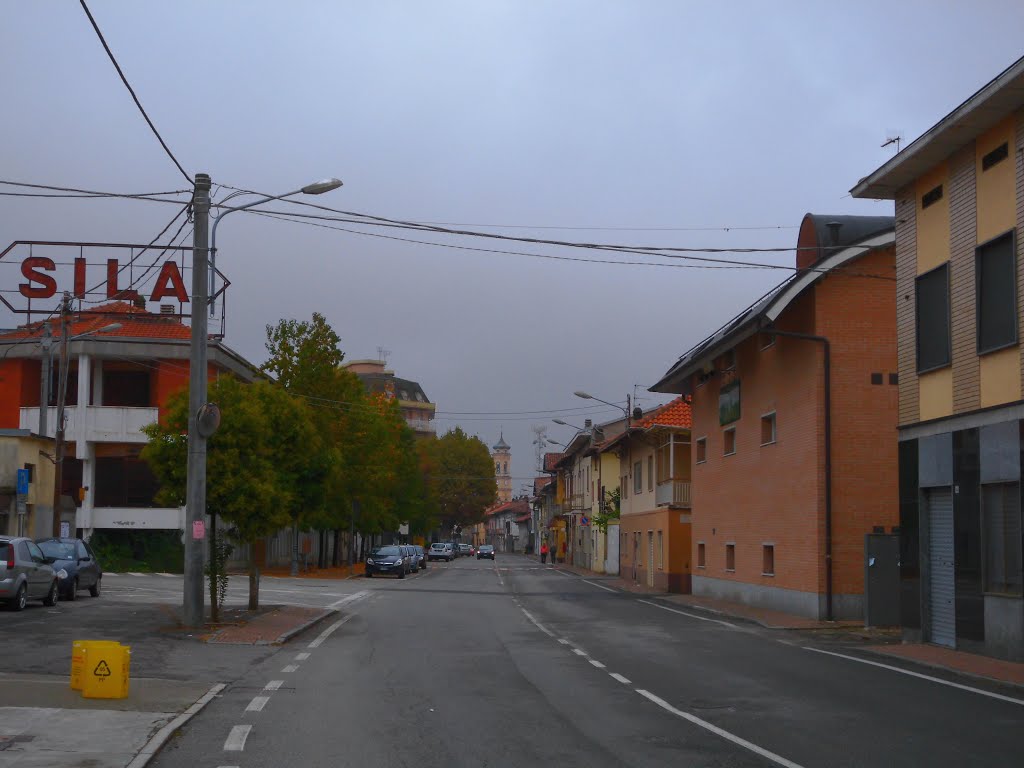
pixel 440 550
pixel 415 555
pixel 75 564
pixel 387 559
pixel 24 573
pixel 465 550
pixel 486 550
pixel 422 555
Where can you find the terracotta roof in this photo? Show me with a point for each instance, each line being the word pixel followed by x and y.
pixel 674 414
pixel 520 506
pixel 135 323
pixel 540 483
pixel 523 518
pixel 551 461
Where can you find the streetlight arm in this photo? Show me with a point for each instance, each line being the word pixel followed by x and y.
pixel 613 405
pixel 226 211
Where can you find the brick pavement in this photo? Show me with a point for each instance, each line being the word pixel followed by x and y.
pixel 277 625
pixel 946 658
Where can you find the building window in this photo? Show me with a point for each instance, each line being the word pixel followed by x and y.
pixel 996 296
pixel 931 197
pixel 701 561
pixel 933 319
pixel 767 559
pixel 505 468
pixel 768 429
pixel 1001 526
pixel 995 157
pixel 730 558
pixel 625 487
pixel 702 450
pixel 497 468
pixel 638 478
pixel 650 473
pixel 729 440
pixel 661 551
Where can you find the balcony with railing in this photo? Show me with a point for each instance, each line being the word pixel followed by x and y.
pixel 575 503
pixel 673 493
pixel 101 423
pixel 421 425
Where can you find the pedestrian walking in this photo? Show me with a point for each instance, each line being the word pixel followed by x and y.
pixel 544 552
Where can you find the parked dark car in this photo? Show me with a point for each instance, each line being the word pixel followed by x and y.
pixel 24 573
pixel 75 564
pixel 486 550
pixel 422 555
pixel 387 559
pixel 415 555
pixel 465 550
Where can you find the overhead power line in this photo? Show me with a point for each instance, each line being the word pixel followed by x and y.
pixel 131 90
pixel 88 194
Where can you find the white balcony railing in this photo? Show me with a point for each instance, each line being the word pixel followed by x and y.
pixel 421 425
pixel 672 493
pixel 102 423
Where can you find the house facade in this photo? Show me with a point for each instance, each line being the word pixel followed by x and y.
pixel 793 420
pixel 652 465
pixel 415 406
pixel 959 197
pixel 117 382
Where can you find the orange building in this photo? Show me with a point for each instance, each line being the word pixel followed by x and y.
pixel 124 364
pixel 794 415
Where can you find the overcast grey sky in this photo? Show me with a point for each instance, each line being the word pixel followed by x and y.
pixel 656 115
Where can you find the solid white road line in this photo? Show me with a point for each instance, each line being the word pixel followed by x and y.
pixel 719 731
pixel 168 575
pixel 301 656
pixel 349 599
pixel 691 615
pixel 257 704
pixel 235 741
pixel 290 668
pixel 273 685
pixel 327 632
pixel 596 663
pixel 938 680
pixel 537 624
pixel 599 586
pixel 620 678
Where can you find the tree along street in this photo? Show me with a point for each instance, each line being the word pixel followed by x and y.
pixel 512 664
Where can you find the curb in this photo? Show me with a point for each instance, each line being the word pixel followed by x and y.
pixel 282 639
pixel 154 745
pixel 953 671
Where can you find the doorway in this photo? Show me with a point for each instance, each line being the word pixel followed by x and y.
pixel 942 584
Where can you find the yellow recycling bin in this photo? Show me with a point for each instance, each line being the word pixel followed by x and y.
pixel 104 669
pixel 78 659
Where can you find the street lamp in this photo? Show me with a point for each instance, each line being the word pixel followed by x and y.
pixel 555 442
pixel 567 424
pixel 588 396
pixel 204 240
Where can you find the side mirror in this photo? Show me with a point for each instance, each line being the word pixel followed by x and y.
pixel 84 559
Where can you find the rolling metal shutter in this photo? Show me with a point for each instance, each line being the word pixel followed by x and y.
pixel 943 586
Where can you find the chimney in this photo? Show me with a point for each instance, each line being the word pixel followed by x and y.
pixel 166 309
pixel 588 424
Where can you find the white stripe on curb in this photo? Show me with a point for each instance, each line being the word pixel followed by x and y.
pixel 149 751
pixel 327 632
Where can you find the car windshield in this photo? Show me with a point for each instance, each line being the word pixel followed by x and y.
pixel 486 548
pixel 58 550
pixel 386 552
pixel 437 546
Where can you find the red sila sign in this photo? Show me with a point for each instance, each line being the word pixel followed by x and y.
pixel 42 285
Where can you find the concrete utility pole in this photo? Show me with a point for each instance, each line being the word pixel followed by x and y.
pixel 62 388
pixel 195 494
pixel 44 380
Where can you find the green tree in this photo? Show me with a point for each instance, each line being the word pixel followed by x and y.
pixel 260 462
pixel 459 477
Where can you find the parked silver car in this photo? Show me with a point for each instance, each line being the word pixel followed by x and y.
pixel 24 573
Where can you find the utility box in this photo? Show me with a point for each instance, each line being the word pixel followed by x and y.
pixel 881 580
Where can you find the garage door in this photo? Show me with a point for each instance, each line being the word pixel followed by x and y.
pixel 940 547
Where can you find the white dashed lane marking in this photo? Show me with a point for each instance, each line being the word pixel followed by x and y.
pixel 290 668
pixel 257 704
pixel 620 678
pixel 273 685
pixel 235 741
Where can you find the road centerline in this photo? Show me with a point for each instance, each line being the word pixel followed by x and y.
pixel 235 741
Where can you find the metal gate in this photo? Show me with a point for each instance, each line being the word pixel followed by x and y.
pixel 942 592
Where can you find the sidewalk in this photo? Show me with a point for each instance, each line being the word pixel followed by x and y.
pixel 274 625
pixel 55 727
pixel 934 657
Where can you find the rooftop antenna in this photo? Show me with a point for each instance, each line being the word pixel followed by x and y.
pixel 540 432
pixel 383 354
pixel 893 136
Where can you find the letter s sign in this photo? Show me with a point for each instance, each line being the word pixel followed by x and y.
pixel 47 285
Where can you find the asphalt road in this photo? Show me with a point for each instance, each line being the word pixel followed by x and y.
pixel 477 664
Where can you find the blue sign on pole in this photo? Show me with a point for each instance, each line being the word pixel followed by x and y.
pixel 22 482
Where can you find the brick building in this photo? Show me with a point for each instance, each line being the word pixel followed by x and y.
pixel 959 194
pixel 794 414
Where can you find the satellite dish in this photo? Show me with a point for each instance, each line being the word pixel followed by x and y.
pixel 208 419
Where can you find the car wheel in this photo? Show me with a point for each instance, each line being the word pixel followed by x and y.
pixel 94 590
pixel 369 574
pixel 401 573
pixel 20 599
pixel 72 593
pixel 52 595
